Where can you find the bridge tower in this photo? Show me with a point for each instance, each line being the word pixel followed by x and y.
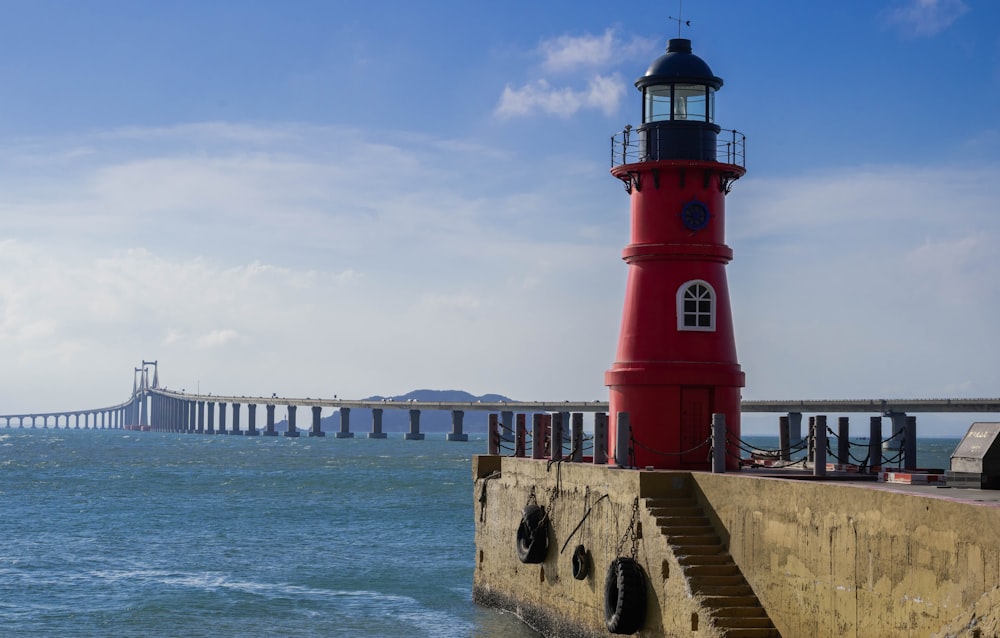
pixel 676 360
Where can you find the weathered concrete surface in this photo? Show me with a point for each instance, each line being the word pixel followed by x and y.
pixel 545 595
pixel 824 558
pixel 829 559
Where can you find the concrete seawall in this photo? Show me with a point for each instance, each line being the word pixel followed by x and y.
pixel 822 558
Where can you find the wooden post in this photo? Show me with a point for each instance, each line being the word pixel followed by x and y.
pixel 910 443
pixel 875 444
pixel 819 440
pixel 843 440
pixel 783 444
pixel 718 443
pixel 493 445
pixel 600 438
pixel 537 436
pixel 577 437
pixel 623 441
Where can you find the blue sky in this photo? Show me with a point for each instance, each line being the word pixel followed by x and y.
pixel 318 198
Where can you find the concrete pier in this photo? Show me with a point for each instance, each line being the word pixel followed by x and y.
pixel 345 424
pixel 236 419
pixel 251 420
pixel 456 433
pixel 292 430
pixel 376 432
pixel 820 558
pixel 222 418
pixel 269 428
pixel 316 429
pixel 211 417
pixel 414 434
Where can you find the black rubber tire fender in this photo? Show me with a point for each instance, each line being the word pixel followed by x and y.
pixel 624 597
pixel 581 562
pixel 533 535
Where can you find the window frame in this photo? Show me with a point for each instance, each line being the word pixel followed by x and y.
pixel 682 315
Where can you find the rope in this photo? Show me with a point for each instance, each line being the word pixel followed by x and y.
pixel 633 440
pixel 482 494
pixel 580 524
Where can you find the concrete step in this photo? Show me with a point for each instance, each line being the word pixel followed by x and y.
pixel 687 541
pixel 680 510
pixel 724 590
pixel 687 530
pixel 699 550
pixel 699 560
pixel 748 611
pixel 729 602
pixel 681 521
pixel 728 568
pixel 701 582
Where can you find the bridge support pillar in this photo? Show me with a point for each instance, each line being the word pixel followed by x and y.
pixel 211 418
pixel 345 424
pixel 292 430
pixel 236 419
pixel 222 418
pixel 456 434
pixel 251 420
pixel 414 434
pixel 317 427
pixel 895 443
pixel 376 432
pixel 794 428
pixel 269 428
pixel 507 423
pixel 201 417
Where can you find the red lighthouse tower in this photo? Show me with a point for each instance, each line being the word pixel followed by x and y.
pixel 676 361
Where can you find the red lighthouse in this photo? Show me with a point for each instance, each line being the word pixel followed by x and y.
pixel 676 360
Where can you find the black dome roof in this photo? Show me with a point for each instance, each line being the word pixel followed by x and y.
pixel 678 64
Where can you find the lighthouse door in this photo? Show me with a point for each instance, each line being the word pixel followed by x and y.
pixel 696 424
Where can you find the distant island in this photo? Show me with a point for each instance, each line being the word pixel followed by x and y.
pixel 398 420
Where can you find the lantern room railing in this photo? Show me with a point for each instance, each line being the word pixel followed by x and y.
pixel 626 147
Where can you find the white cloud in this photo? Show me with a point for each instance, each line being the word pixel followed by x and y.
pixel 602 93
pixel 308 272
pixel 566 52
pixel 593 58
pixel 924 18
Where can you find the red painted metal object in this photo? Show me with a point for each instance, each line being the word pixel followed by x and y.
pixel 676 361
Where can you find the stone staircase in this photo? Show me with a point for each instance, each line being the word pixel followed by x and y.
pixel 709 569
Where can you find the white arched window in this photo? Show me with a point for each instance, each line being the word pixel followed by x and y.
pixel 696 306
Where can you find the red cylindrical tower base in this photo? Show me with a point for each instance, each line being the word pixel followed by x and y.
pixel 676 361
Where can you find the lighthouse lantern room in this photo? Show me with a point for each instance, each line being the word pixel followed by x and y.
pixel 676 363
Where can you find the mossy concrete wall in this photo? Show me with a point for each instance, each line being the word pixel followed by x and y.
pixel 825 559
pixel 546 595
pixel 855 560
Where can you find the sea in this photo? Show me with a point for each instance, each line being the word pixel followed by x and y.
pixel 144 534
